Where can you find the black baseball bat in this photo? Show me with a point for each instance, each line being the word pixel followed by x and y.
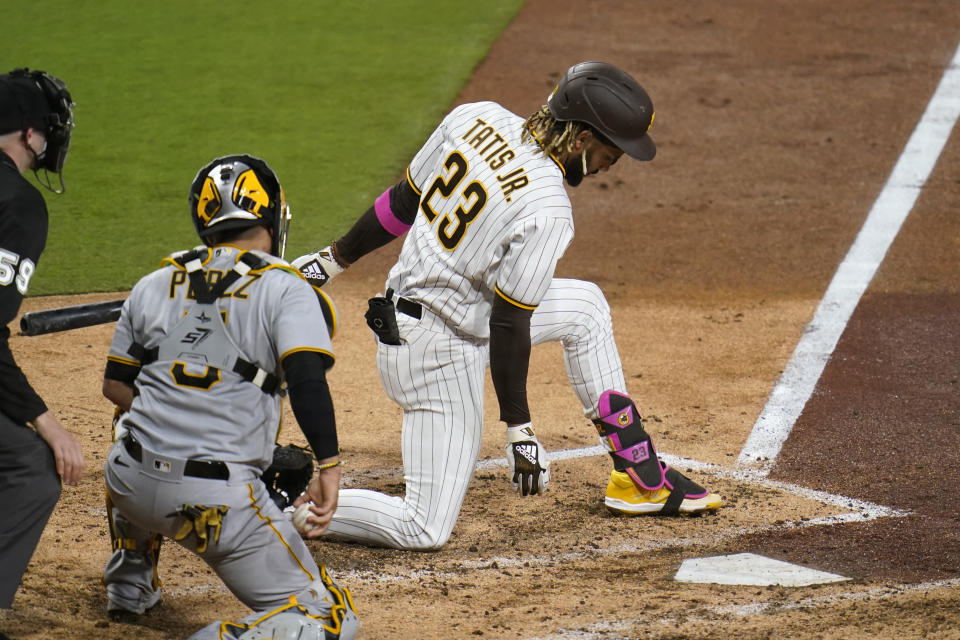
pixel 36 323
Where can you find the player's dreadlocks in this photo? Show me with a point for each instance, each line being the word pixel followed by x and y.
pixel 556 138
pixel 552 136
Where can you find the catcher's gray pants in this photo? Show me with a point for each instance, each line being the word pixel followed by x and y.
pixel 29 490
pixel 256 550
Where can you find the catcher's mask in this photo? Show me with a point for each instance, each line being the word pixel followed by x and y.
pixel 611 102
pixel 237 192
pixel 38 100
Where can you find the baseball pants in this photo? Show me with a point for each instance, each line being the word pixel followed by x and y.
pixel 437 378
pixel 29 490
pixel 256 550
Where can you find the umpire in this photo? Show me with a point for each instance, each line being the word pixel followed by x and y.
pixel 36 120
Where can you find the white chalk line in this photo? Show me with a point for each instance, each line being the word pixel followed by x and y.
pixel 739 474
pixel 500 563
pixel 859 511
pixel 896 200
pixel 602 630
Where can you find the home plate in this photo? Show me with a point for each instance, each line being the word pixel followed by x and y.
pixel 749 568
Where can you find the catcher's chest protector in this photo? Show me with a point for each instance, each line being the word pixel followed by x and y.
pixel 199 347
pixel 199 340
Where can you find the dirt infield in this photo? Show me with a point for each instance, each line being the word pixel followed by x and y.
pixel 777 124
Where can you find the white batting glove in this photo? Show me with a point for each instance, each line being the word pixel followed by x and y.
pixel 318 267
pixel 529 464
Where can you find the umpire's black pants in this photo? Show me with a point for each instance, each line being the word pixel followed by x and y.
pixel 29 490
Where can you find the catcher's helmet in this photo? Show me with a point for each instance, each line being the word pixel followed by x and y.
pixel 38 100
pixel 236 192
pixel 610 101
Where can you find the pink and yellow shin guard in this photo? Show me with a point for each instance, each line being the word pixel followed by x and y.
pixel 621 428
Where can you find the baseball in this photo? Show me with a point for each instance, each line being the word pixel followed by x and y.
pixel 300 518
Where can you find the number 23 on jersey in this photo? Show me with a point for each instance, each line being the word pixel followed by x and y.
pixel 471 200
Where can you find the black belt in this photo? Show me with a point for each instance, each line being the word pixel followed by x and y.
pixel 212 469
pixel 409 307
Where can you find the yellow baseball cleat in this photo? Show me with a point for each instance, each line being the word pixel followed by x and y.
pixel 678 494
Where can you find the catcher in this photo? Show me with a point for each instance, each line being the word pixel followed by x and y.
pixel 204 350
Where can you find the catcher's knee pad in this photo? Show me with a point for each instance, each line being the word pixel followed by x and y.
pixel 292 620
pixel 621 428
pixel 288 623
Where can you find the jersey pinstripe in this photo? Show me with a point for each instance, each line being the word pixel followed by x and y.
pixel 494 218
pixel 268 313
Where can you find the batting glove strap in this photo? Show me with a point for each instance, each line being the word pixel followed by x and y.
pixel 528 461
pixel 319 267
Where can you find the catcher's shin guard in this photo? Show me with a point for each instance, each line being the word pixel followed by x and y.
pixel 131 576
pixel 125 537
pixel 621 428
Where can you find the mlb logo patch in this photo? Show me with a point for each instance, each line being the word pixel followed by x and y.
pixel 162 466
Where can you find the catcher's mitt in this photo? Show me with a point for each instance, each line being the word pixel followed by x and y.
pixel 289 474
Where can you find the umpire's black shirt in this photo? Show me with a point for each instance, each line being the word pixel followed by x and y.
pixel 23 235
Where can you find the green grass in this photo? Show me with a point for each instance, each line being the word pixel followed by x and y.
pixel 336 96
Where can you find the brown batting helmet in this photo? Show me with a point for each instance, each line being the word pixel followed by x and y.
pixel 611 102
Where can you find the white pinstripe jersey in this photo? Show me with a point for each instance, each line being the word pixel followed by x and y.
pixel 494 217
pixel 194 410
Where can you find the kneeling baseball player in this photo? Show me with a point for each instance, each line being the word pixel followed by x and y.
pixel 204 349
pixel 474 286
